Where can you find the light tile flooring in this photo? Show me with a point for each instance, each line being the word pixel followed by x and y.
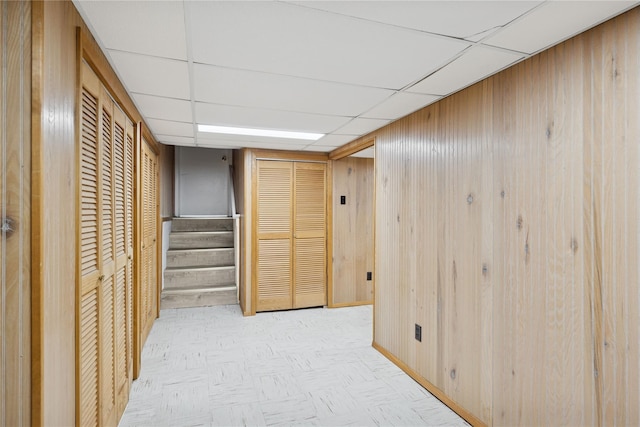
pixel 211 366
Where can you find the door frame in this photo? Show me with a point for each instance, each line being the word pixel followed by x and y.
pixel 287 156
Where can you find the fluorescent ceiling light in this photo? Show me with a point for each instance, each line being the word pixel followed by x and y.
pixel 260 132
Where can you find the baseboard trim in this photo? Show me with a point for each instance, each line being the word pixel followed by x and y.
pixel 468 416
pixel 350 304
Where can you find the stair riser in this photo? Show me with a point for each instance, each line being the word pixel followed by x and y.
pixel 215 258
pixel 208 224
pixel 203 299
pixel 222 240
pixel 189 279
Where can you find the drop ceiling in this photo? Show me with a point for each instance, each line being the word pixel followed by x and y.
pixel 341 68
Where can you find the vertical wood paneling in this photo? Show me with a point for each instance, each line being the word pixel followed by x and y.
pixel 15 205
pixel 507 227
pixel 54 83
pixel 352 230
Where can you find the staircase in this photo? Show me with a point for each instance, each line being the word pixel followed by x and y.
pixel 200 264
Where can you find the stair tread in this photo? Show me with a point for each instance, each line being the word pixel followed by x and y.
pixel 200 268
pixel 182 233
pixel 201 249
pixel 198 289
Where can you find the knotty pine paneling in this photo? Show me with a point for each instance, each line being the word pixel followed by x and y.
pixel 352 231
pixel 15 220
pixel 507 227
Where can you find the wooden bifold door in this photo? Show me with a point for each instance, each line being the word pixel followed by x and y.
pixel 291 268
pixel 105 252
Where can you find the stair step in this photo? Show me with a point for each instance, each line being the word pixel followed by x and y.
pixel 201 240
pixel 191 278
pixel 217 257
pixel 202 224
pixel 199 297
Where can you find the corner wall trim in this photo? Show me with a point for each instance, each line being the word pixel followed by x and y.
pixel 435 391
pixel 352 147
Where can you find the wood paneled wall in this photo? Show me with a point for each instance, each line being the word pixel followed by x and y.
pixel 55 65
pixel 15 208
pixel 352 231
pixel 507 227
pixel 54 214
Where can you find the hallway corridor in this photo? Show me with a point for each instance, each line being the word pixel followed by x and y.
pixel 213 367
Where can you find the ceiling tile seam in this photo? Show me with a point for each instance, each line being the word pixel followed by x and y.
pixel 386 24
pixel 523 55
pixel 104 50
pixel 190 67
pixel 338 116
pixel 449 61
pixel 129 52
pixel 292 76
pixel 517 18
pixel 170 98
pixel 377 105
pixel 570 36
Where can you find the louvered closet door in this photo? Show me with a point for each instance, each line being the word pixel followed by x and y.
pixel 274 235
pixel 88 403
pixel 310 254
pixel 122 286
pixel 149 285
pixel 108 278
pixel 105 266
pixel 129 230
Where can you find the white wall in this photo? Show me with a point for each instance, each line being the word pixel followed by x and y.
pixel 202 181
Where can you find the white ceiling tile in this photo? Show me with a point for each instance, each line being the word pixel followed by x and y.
pixel 461 19
pixel 259 90
pixel 221 143
pixel 335 140
pixel 475 64
pixel 149 27
pixel 553 22
pixel 367 153
pixel 225 115
pixel 167 127
pixel 151 75
pixel 288 39
pixel 156 107
pixel 175 140
pixel 204 137
pixel 399 105
pixel 360 126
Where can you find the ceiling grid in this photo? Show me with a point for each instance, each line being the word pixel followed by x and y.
pixel 342 69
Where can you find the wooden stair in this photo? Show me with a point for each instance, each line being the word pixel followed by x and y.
pixel 201 267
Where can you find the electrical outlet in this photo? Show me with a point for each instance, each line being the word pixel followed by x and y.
pixel 418 333
pixel 369 275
